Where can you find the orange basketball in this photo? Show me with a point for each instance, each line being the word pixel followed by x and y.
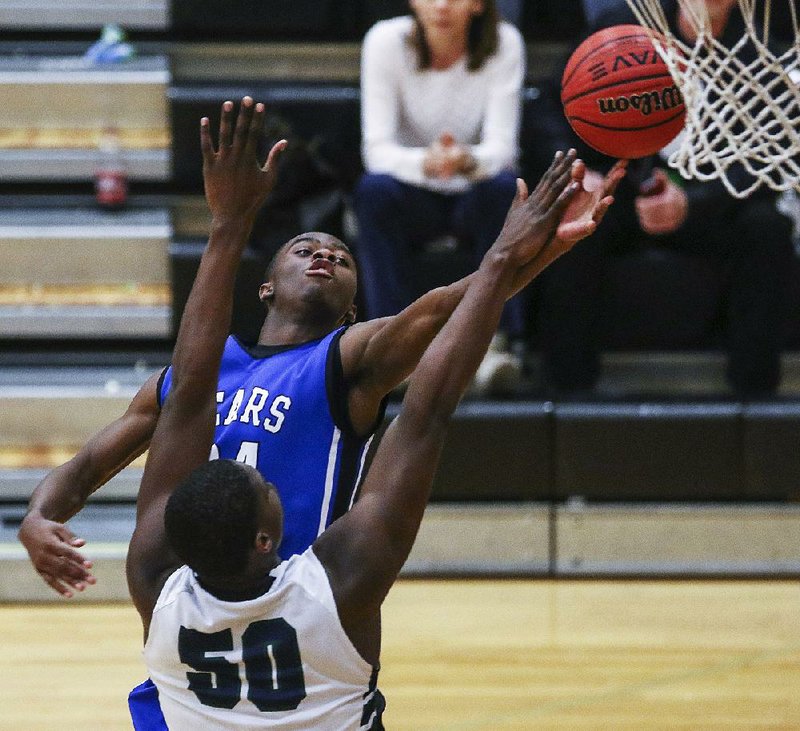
pixel 618 94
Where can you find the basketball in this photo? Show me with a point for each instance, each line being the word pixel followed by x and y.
pixel 618 94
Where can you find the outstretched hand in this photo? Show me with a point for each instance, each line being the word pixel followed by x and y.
pixel 52 550
pixel 580 217
pixel 532 219
pixel 587 207
pixel 235 184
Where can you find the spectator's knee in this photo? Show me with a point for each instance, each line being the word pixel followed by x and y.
pixel 376 194
pixel 762 226
pixel 503 187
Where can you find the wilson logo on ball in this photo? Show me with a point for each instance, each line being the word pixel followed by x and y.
pixel 645 104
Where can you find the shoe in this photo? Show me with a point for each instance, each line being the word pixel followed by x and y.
pixel 500 371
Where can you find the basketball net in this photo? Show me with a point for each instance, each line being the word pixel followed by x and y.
pixel 738 114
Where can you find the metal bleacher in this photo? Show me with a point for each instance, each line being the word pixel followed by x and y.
pixel 662 473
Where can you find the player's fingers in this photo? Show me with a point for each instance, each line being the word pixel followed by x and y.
pixel 561 164
pixel 615 175
pixel 242 127
pixel 573 231
pixel 64 534
pixel 65 591
pixel 559 184
pixel 522 191
pixel 601 208
pixel 561 174
pixel 557 209
pixel 69 542
pixel 254 132
pixel 544 181
pixel 226 126
pixel 274 153
pixel 206 145
pixel 578 170
pixel 64 568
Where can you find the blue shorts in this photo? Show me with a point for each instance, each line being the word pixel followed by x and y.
pixel 144 707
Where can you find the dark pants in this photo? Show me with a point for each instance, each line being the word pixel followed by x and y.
pixel 750 246
pixel 396 219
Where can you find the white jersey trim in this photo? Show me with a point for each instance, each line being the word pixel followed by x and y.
pixel 330 473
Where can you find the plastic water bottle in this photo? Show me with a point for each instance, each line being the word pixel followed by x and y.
pixel 111 176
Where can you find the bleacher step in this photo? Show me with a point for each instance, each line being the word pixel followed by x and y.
pixel 66 93
pixel 84 246
pixel 84 14
pixel 63 406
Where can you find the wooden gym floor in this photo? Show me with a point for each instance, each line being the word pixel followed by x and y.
pixel 484 655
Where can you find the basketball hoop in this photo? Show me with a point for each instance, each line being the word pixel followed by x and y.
pixel 742 103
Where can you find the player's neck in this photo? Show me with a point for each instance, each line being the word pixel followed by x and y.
pixel 281 330
pixel 255 582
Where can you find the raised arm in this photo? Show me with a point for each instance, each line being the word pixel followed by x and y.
pixel 364 550
pixel 52 546
pixel 377 355
pixel 235 188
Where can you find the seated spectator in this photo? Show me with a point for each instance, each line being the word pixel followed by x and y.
pixel 748 242
pixel 441 94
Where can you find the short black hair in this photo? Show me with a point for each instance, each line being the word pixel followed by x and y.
pixel 211 519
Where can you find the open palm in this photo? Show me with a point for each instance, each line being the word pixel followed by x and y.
pixel 587 207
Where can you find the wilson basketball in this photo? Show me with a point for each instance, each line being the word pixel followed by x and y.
pixel 618 94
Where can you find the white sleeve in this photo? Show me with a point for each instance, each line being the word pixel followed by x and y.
pixel 499 146
pixel 381 74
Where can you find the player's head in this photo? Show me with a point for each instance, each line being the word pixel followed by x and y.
pixel 314 268
pixel 478 18
pixel 221 516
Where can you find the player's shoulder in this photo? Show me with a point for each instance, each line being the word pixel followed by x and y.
pixel 305 573
pixel 177 583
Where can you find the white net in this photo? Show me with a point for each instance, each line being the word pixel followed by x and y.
pixel 742 102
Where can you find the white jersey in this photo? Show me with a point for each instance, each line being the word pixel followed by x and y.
pixel 281 660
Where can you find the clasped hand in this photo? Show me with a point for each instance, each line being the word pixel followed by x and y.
pixel 445 158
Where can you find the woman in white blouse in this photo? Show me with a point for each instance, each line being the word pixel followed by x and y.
pixel 441 96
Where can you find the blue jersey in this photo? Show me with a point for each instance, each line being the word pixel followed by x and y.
pixel 283 410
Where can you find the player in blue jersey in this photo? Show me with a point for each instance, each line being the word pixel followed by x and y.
pixel 309 296
pixel 235 637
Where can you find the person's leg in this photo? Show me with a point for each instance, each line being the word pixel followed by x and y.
pixel 570 301
pixel 477 217
pixel 753 246
pixel 393 217
pixel 759 264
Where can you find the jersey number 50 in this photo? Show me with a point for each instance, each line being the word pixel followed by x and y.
pixel 272 666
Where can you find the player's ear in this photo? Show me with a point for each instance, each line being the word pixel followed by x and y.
pixel 263 543
pixel 266 292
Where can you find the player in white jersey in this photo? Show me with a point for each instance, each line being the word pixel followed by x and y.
pixel 235 638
